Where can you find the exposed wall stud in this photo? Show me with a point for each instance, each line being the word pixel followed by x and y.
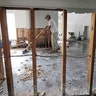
pixel 64 51
pixel 6 49
pixel 32 13
pixel 91 52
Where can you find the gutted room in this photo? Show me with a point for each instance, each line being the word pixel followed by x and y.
pixel 47 48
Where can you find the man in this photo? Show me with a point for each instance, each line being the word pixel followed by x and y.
pixel 54 32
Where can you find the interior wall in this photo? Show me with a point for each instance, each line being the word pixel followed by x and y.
pixel 40 20
pixel 22 18
pixel 76 23
pixel 11 26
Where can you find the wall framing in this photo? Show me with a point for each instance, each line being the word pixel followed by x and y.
pixel 32 17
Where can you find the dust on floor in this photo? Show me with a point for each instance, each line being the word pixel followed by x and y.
pixel 49 70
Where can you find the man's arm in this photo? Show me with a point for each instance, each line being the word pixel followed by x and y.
pixel 48 27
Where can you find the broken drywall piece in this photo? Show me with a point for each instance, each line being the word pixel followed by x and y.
pixel 29 73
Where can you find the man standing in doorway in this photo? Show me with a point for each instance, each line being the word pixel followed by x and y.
pixel 54 32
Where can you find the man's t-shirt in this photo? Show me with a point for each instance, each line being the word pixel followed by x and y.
pixel 53 26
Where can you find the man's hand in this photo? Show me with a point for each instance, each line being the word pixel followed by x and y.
pixel 47 28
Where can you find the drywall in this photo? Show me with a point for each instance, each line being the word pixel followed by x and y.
pixel 11 26
pixel 76 23
pixel 40 20
pixel 21 18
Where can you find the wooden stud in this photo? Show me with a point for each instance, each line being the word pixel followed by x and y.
pixel 91 52
pixel 64 51
pixel 49 9
pixel 1 67
pixel 6 49
pixel 33 46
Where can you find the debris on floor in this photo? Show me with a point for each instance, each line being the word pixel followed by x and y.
pixel 29 73
pixel 43 94
pixel 31 94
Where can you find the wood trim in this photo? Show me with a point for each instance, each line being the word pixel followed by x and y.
pixel 64 34
pixel 91 52
pixel 33 46
pixel 6 49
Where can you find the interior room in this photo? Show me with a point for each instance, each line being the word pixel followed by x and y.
pixel 29 63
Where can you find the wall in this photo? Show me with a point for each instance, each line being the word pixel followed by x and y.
pixel 11 26
pixel 40 18
pixel 22 18
pixel 76 23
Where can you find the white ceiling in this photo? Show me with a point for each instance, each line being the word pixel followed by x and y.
pixel 70 5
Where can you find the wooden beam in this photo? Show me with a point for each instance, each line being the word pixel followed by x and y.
pixel 48 9
pixel 91 52
pixel 64 51
pixel 1 67
pixel 6 49
pixel 16 8
pixel 33 46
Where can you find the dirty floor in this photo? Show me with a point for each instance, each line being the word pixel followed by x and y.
pixel 49 70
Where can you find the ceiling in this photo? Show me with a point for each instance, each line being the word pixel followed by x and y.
pixel 69 5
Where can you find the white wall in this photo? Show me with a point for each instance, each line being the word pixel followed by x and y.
pixel 11 26
pixel 22 18
pixel 76 23
pixel 40 18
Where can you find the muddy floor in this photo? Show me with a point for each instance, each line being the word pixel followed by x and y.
pixel 49 70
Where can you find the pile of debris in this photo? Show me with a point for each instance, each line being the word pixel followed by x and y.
pixel 31 94
pixel 29 73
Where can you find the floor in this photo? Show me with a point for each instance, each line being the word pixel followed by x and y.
pixel 49 68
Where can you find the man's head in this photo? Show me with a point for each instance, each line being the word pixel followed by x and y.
pixel 48 17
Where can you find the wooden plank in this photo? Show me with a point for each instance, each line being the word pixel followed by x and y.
pixel 48 9
pixel 64 34
pixel 33 46
pixel 1 67
pixel 6 49
pixel 91 52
